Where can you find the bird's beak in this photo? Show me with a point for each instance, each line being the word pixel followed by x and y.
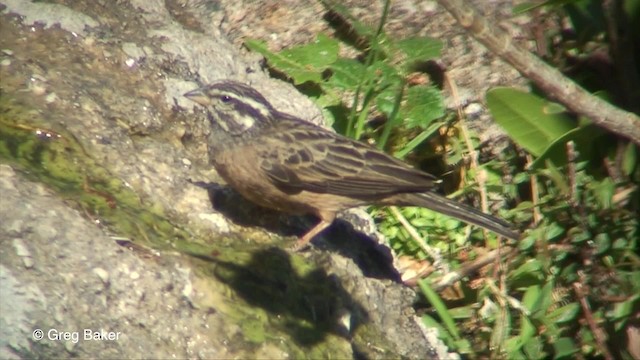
pixel 199 96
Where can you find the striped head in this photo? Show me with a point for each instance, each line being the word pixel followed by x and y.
pixel 233 106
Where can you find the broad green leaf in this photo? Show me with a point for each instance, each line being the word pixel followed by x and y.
pixel 419 49
pixel 386 100
pixel 527 333
pixel 527 329
pixel 385 75
pixel 530 296
pixel 564 347
pixel 602 243
pixel 512 347
pixel 622 311
pixel 565 313
pixel 543 302
pixel 347 74
pixel 583 138
pixel 423 105
pixel 529 272
pixel 534 348
pixel 525 118
pixel 302 63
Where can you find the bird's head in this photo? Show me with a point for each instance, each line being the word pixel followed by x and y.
pixel 235 107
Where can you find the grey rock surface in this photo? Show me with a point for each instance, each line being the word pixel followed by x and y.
pixel 104 298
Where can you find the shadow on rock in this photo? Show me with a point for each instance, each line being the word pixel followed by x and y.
pixel 308 304
pixel 373 259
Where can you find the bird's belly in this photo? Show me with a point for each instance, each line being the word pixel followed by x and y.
pixel 247 179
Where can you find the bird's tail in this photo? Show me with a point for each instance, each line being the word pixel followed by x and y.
pixel 468 214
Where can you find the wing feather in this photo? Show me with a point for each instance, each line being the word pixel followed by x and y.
pixel 309 158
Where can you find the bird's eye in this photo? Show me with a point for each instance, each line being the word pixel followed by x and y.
pixel 225 98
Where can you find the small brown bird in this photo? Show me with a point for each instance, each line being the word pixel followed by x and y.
pixel 282 162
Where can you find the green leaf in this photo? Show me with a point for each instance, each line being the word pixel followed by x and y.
pixel 423 105
pixel 463 312
pixel 440 308
pixel 302 63
pixel 542 302
pixel 419 49
pixel 534 348
pixel 527 329
pixel 602 243
pixel 530 271
pixel 525 118
pixel 386 100
pixel 565 313
pixel 583 137
pixel 604 191
pixel 630 159
pixel 528 6
pixel 527 334
pixel 347 74
pixel 530 296
pixel 622 311
pixel 385 75
pixel 413 143
pixel 564 347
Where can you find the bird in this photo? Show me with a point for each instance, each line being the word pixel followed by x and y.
pixel 282 162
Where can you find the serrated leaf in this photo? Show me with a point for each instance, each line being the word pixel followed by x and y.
pixel 302 63
pixel 419 49
pixel 423 105
pixel 386 99
pixel 525 118
pixel 385 75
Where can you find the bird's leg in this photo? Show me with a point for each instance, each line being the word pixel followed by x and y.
pixel 304 240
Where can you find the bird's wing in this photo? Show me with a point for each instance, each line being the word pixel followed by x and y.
pixel 298 156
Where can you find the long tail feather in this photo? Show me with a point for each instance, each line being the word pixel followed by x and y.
pixel 457 210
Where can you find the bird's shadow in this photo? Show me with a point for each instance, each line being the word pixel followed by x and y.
pixel 373 259
pixel 308 306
